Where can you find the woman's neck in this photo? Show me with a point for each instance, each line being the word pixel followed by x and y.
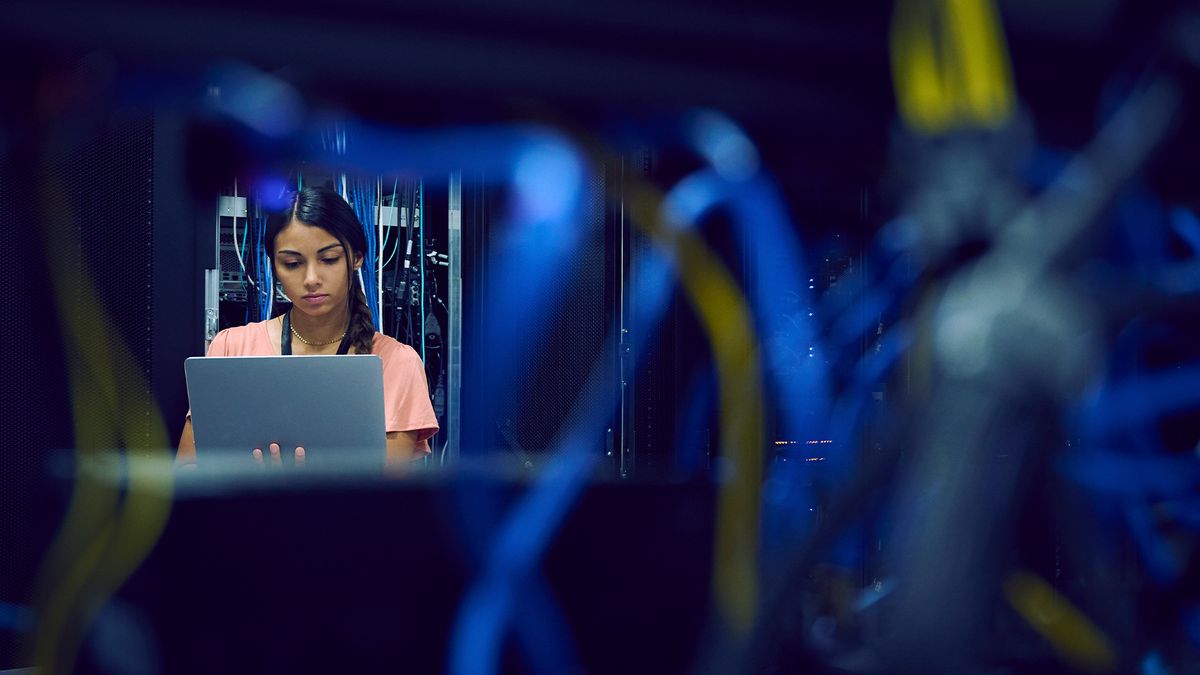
pixel 321 328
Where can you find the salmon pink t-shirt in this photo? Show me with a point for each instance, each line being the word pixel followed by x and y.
pixel 405 390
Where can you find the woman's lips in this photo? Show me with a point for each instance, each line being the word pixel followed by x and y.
pixel 315 299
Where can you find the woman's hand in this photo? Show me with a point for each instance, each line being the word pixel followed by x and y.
pixel 274 457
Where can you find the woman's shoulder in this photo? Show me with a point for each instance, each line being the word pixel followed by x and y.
pixel 386 346
pixel 256 328
pixel 245 340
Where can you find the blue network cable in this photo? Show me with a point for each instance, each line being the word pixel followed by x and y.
pixel 266 276
pixel 383 244
pixel 355 197
pixel 395 239
pixel 364 205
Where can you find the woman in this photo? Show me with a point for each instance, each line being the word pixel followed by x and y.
pixel 316 249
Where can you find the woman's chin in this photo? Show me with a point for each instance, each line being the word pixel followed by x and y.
pixel 315 309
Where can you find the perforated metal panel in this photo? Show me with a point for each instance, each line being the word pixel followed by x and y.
pixel 99 194
pixel 110 186
pixel 32 384
pixel 561 359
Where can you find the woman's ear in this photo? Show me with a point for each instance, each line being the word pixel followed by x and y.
pixel 358 261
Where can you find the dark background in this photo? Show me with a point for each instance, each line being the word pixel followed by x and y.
pixel 113 85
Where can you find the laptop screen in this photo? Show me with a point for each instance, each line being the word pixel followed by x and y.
pixel 330 405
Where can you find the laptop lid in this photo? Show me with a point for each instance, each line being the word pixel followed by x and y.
pixel 330 405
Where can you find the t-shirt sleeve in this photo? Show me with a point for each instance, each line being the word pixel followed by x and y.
pixel 406 396
pixel 219 345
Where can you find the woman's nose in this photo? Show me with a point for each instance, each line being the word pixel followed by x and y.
pixel 310 276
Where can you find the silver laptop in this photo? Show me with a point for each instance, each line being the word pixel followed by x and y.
pixel 330 405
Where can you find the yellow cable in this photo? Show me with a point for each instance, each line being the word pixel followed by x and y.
pixel 1068 630
pixel 973 28
pixel 726 320
pixel 102 538
pixel 920 98
pixel 950 66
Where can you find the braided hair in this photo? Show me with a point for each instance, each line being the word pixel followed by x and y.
pixel 322 207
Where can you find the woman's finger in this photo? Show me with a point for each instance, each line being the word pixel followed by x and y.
pixel 299 456
pixel 276 456
pixel 257 455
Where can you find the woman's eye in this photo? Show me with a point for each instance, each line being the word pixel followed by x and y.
pixel 329 261
pixel 291 265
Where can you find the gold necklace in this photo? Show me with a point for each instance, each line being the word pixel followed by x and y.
pixel 315 344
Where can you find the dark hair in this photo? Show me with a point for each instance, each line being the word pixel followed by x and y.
pixel 324 208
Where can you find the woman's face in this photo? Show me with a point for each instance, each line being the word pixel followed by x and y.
pixel 311 264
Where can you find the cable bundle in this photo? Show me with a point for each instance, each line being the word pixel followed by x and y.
pixel 265 286
pixel 364 200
